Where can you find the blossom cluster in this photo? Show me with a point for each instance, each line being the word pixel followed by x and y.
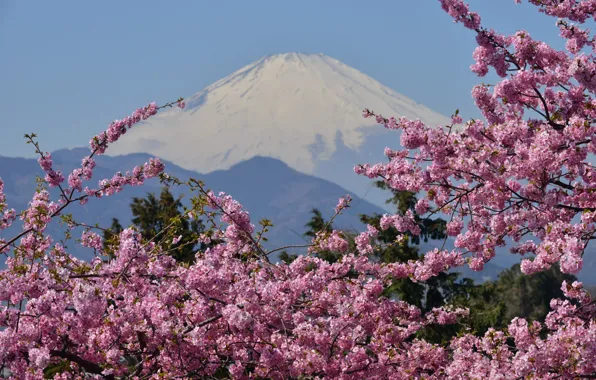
pixel 523 173
pixel 232 313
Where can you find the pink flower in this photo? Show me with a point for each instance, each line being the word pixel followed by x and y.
pixel 343 203
pixel 40 357
pixel 176 240
pixel 455 226
pixel 363 241
pixel 330 242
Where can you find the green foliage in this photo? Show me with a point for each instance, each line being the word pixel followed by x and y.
pixel 495 303
pixel 435 292
pixel 528 296
pixel 406 200
pixel 51 370
pixel 318 224
pixel 287 257
pixel 486 309
pixel 161 220
pixel 110 238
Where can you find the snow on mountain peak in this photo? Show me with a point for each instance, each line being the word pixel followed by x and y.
pixel 279 106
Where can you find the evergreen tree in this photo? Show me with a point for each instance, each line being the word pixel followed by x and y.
pixel 110 238
pixel 437 290
pixel 152 215
pixel 318 224
pixel 287 257
pixel 529 296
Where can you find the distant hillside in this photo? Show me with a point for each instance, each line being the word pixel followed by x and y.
pixel 266 187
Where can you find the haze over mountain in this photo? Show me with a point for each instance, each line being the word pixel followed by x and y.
pixel 304 109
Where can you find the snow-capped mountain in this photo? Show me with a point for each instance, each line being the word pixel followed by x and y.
pixel 299 108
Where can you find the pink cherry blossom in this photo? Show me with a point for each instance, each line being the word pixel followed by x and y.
pixel 521 175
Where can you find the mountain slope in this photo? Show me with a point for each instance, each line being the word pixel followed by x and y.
pixel 266 187
pixel 288 106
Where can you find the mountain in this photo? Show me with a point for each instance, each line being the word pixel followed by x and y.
pixel 267 188
pixel 304 109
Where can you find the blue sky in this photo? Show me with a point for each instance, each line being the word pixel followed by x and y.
pixel 69 67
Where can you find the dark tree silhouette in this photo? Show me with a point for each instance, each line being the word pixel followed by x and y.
pixel 152 215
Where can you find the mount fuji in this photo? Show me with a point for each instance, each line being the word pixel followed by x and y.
pixel 304 109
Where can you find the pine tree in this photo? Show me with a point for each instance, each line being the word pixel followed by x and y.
pixel 432 293
pixel 153 216
pixel 318 224
pixel 529 296
pixel 110 238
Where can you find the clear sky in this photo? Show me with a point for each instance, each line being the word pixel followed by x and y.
pixel 67 68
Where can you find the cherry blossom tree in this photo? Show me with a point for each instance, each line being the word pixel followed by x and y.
pixel 523 174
